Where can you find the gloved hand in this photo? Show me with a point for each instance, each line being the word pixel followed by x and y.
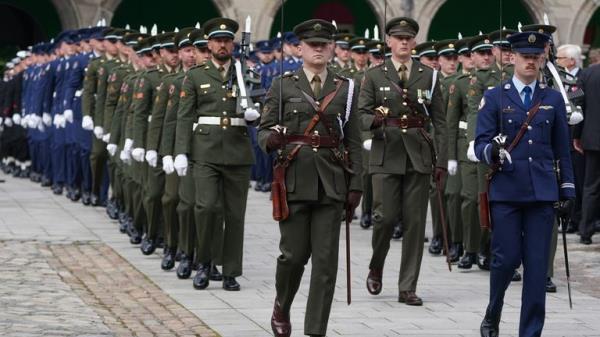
pixel 138 154
pixel 274 141
pixel 112 149
pixel 87 123
pixel 106 138
pixel 16 118
pixel 8 122
pixel 125 157
pixel 25 121
pixel 68 115
pixel 251 114
pixel 152 158
pixel 34 120
pixel 352 201
pixel 377 121
pixel 46 119
pixel 471 152
pixel 565 207
pixel 452 167
pixel 41 127
pixel 181 164
pixel 98 132
pixel 367 144
pixel 167 164
pixel 55 120
pixel 128 144
pixel 62 122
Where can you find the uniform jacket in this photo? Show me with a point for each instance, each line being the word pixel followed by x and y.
pixel 589 130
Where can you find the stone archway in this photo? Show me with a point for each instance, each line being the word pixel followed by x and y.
pixel 581 20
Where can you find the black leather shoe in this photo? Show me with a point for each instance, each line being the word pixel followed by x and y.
pixel 178 255
pixel 375 281
pixel 280 322
pixel 365 220
pixel 490 326
pixel 258 187
pixel 586 240
pixel 410 298
pixel 148 246
pixel 135 238
pixel 467 261
pixel 168 261
pixel 550 286
pixel 201 279
pixel 230 284
pixel 95 200
pixel 76 195
pixel 184 269
pixel 69 194
pixel 397 234
pixel 483 261
pixel 123 226
pixel 435 248
pixel 215 275
pixel 46 182
pixel 57 189
pixel 517 276
pixel 456 251
pixel 86 198
pixel 266 187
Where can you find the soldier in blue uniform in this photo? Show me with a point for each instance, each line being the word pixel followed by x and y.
pixel 291 61
pixel 524 189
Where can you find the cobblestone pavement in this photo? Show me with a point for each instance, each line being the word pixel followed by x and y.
pixel 454 301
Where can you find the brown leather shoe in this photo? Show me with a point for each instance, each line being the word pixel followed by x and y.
pixel 410 298
pixel 280 322
pixel 374 281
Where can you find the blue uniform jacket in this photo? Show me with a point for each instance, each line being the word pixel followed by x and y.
pixel 531 176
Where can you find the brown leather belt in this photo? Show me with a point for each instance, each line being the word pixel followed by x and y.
pixel 406 122
pixel 314 140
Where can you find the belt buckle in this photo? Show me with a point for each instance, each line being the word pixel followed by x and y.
pixel 315 141
pixel 225 122
pixel 404 123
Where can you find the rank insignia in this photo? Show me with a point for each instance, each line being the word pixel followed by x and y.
pixel 171 89
pixel 141 84
pixel 507 86
pixel 139 95
pixel 452 89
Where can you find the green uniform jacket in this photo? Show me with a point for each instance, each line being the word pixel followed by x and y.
pixel 311 167
pixel 158 112
pixel 391 148
pixel 90 84
pixel 104 70
pixel 113 92
pixel 457 113
pixel 167 143
pixel 204 93
pixel 483 80
pixel 144 95
pixel 119 120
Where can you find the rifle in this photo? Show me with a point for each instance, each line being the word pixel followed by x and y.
pixel 246 78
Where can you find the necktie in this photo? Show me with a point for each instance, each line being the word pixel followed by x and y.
pixel 527 99
pixel 222 72
pixel 402 73
pixel 316 86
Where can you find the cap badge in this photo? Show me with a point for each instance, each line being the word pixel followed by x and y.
pixel 222 26
pixel 541 30
pixel 531 38
pixel 403 23
pixel 451 45
pixel 317 27
pixel 486 41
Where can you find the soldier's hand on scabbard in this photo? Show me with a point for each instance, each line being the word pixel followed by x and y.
pixel 352 201
pixel 377 121
pixel 274 141
pixel 439 174
pixel 565 207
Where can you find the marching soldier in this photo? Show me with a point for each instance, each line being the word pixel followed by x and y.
pixel 219 149
pixel 426 54
pixel 321 125
pixel 524 186
pixel 397 104
pixel 342 62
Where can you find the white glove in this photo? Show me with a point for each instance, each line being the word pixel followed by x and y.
pixel 62 122
pixel 152 158
pixel 32 121
pixel 106 138
pixel 41 127
pixel 25 121
pixel 452 167
pixel 47 119
pixel 181 165
pixel 98 131
pixel 8 122
pixel 112 149
pixel 471 152
pixel 138 154
pixel 576 118
pixel 251 114
pixel 125 156
pixel 87 123
pixel 16 119
pixel 367 144
pixel 128 144
pixel 68 115
pixel 167 162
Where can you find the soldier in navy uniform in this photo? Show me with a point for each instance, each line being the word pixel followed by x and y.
pixel 524 189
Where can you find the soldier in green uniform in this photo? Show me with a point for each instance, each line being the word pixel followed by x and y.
pixel 320 119
pixel 426 54
pixel 376 52
pixel 360 57
pixel 457 151
pixel 220 152
pixel 342 61
pixel 448 61
pixel 397 104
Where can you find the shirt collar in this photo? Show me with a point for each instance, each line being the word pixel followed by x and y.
pixel 225 66
pixel 520 85
pixel 397 64
pixel 309 75
pixel 574 71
